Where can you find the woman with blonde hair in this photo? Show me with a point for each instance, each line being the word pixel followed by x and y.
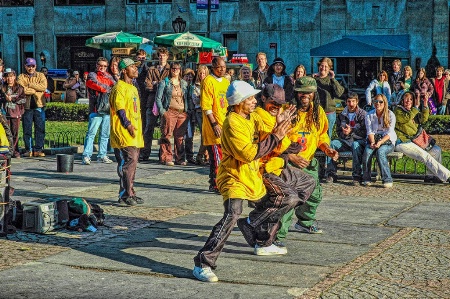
pixel 202 71
pixel 245 74
pixel 380 86
pixel 405 84
pixel 300 71
pixel 381 138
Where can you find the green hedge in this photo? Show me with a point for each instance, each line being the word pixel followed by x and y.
pixel 67 112
pixel 438 124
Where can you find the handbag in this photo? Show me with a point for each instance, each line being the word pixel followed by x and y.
pixel 423 140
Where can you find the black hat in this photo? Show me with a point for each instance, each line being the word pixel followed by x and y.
pixel 274 92
pixel 279 60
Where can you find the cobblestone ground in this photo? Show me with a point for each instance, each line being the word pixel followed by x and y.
pixel 414 263
pixel 417 266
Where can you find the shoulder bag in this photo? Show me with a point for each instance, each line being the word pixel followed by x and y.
pixel 422 139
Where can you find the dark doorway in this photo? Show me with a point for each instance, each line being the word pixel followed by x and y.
pixel 72 53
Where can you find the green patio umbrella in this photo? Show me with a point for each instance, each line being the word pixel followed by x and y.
pixel 187 40
pixel 107 41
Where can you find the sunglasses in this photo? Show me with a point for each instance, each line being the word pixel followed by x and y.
pixel 378 101
pixel 140 58
pixel 175 68
pixel 31 66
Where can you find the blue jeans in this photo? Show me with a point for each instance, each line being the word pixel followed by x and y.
pixel 38 117
pixel 441 110
pixel 331 121
pixel 382 160
pixel 357 150
pixel 95 121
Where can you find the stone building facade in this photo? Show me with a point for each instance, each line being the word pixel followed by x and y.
pixel 59 28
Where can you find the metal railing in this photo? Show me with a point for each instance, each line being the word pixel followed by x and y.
pixel 69 138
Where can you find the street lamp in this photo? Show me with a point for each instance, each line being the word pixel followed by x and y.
pixel 178 25
pixel 43 58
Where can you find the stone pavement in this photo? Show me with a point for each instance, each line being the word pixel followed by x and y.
pixel 378 243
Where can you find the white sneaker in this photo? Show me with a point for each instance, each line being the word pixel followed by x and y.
pixel 367 183
pixel 270 250
pixel 205 274
pixel 388 185
pixel 105 160
pixel 86 160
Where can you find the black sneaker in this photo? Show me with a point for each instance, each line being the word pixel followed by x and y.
pixel 313 229
pixel 138 200
pixel 128 201
pixel 247 231
pixel 331 178
pixel 214 189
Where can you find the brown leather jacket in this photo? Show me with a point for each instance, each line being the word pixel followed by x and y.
pixel 151 82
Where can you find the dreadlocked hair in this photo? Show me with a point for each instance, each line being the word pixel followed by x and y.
pixel 312 117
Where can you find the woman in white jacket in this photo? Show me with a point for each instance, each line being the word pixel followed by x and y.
pixel 381 86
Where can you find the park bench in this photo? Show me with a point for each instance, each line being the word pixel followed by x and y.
pixel 346 156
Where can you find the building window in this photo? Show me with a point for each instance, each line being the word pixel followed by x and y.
pixel 26 48
pixel 79 2
pixel 148 1
pixel 16 2
pixel 230 41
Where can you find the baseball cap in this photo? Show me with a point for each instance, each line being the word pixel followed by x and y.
pixel 30 61
pixel 76 73
pixel 238 91
pixel 274 92
pixel 305 84
pixel 127 62
pixel 9 70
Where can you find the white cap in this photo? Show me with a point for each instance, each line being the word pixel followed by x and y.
pixel 238 91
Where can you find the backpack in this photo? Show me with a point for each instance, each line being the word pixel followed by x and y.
pixel 102 104
pixel 79 206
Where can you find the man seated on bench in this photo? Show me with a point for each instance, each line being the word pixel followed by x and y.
pixel 351 131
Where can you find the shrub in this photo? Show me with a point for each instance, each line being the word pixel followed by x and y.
pixel 67 112
pixel 438 124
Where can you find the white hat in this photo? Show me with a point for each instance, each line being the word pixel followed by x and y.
pixel 238 91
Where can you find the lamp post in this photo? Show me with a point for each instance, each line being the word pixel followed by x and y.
pixel 178 25
pixel 43 58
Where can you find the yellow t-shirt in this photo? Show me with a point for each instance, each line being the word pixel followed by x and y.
pixel 125 96
pixel 238 175
pixel 272 163
pixel 213 97
pixel 310 139
pixel 4 142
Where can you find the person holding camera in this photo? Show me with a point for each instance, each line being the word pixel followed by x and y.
pixel 411 113
pixel 381 138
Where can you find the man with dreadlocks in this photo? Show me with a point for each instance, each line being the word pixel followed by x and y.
pixel 310 131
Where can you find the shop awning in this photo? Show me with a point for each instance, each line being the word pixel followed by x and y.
pixel 395 46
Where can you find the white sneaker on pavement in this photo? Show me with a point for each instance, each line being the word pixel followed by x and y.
pixel 86 160
pixel 270 250
pixel 205 274
pixel 105 160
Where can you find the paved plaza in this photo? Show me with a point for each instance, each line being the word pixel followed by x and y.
pixel 377 243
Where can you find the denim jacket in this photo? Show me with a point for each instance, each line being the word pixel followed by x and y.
pixel 164 95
